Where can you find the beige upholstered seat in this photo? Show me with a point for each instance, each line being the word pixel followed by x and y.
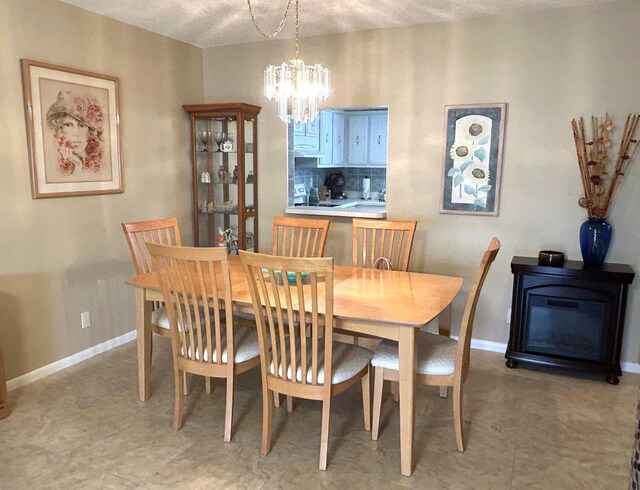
pixel 436 354
pixel 292 362
pixel 441 361
pixel 245 346
pixel 195 282
pixel 348 361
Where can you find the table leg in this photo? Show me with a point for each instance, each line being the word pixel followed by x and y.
pixel 143 330
pixel 407 358
pixel 444 322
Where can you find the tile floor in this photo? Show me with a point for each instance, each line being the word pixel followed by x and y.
pixel 85 428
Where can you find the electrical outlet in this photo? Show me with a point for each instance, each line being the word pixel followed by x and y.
pixel 509 316
pixel 85 319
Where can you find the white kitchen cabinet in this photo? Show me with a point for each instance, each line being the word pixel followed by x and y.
pixel 338 138
pixel 357 143
pixel 306 137
pixel 378 140
pixel 367 139
pixel 331 139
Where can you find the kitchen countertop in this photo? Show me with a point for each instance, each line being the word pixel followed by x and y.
pixel 348 208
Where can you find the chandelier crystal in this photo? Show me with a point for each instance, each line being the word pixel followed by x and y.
pixel 296 87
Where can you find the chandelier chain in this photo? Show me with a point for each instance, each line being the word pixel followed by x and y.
pixel 296 57
pixel 280 25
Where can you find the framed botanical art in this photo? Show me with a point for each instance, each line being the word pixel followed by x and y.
pixel 73 131
pixel 472 159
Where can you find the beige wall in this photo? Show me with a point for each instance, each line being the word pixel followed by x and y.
pixel 59 257
pixel 549 68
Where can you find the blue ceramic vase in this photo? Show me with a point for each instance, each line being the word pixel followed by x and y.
pixel 595 237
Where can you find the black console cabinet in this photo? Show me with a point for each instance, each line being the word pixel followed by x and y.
pixel 569 317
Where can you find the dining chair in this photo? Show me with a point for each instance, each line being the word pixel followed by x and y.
pixel 164 232
pixel 160 231
pixel 313 367
pixel 195 283
pixel 299 237
pixel 382 244
pixel 441 361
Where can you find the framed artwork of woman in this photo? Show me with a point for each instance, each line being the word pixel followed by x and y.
pixel 73 131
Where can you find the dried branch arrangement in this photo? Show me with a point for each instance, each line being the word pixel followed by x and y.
pixel 594 159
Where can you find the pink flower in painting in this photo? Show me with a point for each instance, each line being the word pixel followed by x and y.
pixel 94 114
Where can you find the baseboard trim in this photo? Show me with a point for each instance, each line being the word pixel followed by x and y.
pixel 25 379
pixel 627 367
pixel 54 367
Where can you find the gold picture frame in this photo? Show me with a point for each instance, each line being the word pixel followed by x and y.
pixel 73 131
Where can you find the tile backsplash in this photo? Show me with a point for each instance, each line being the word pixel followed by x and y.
pixel 352 177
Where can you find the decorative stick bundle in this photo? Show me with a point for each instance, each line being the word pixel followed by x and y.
pixel 593 160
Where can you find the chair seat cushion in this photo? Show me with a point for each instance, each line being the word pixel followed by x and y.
pixel 348 360
pixel 245 344
pixel 436 354
pixel 160 317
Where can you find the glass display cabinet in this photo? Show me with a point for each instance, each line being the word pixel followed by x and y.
pixel 224 161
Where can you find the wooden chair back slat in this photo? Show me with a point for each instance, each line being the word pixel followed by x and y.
pixel 289 293
pixel 375 239
pixel 161 231
pixel 463 353
pixel 196 286
pixel 296 237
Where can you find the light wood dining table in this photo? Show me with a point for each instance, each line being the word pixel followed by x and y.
pixel 385 304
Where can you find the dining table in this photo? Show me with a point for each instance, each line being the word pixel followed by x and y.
pixel 384 304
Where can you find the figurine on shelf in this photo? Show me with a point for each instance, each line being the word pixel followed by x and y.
pixel 204 207
pixel 222 242
pixel 234 180
pixel 222 174
pixel 250 177
pixel 205 177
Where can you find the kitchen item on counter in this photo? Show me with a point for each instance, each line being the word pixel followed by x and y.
pixel 366 188
pixel 382 195
pixel 335 183
pixel 314 197
pixel 299 195
pixel 325 194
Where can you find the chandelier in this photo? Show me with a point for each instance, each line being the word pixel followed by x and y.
pixel 296 86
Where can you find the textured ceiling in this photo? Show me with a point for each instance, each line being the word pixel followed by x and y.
pixel 208 23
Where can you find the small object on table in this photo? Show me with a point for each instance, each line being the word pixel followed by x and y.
pixel 550 257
